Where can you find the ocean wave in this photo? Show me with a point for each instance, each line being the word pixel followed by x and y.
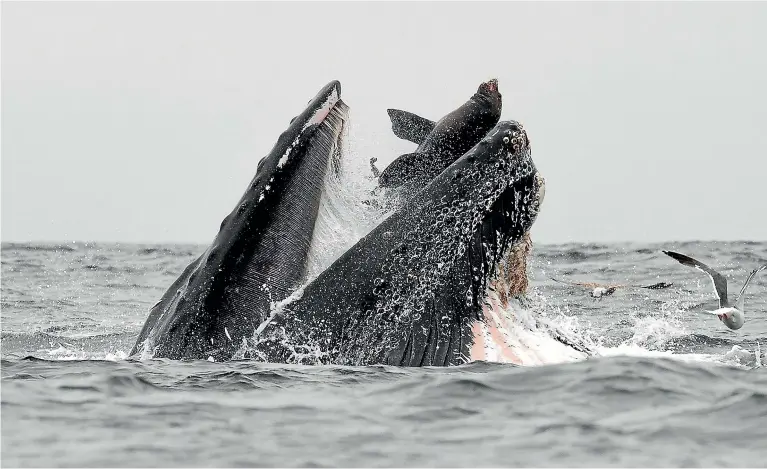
pixel 42 247
pixel 159 251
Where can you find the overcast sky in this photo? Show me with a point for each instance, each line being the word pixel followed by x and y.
pixel 145 121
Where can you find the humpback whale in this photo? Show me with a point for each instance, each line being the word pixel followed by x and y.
pixel 439 143
pixel 410 292
pixel 259 256
pixel 414 291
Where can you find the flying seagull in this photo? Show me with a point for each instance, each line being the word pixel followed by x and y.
pixel 730 313
pixel 599 289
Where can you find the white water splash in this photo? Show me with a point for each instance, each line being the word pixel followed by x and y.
pixel 529 332
pixel 70 354
pixel 651 334
pixel 531 336
pixel 347 210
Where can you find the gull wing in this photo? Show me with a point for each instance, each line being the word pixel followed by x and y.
pixel 739 301
pixel 720 281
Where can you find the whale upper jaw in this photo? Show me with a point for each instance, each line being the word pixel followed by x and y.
pixel 260 253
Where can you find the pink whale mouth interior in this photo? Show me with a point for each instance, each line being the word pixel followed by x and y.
pixel 492 85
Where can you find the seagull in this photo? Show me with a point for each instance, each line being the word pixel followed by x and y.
pixel 730 313
pixel 600 290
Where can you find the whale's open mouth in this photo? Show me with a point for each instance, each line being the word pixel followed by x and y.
pixel 505 331
pixel 408 292
pixel 508 333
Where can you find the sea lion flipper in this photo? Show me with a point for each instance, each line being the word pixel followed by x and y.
pixel 373 168
pixel 409 126
pixel 403 169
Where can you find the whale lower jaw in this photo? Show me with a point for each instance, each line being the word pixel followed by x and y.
pixel 507 333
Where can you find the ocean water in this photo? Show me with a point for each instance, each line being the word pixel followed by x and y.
pixel 669 387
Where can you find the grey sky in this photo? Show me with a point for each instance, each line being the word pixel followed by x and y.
pixel 145 121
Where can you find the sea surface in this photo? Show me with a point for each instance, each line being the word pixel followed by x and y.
pixel 669 387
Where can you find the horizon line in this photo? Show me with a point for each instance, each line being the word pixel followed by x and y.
pixel 205 243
